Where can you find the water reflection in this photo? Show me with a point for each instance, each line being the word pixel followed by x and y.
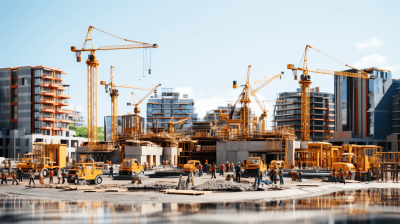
pixel 373 205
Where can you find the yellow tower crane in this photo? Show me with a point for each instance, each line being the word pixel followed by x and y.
pixel 137 109
pixel 171 124
pixel 114 101
pixel 92 64
pixel 305 82
pixel 245 101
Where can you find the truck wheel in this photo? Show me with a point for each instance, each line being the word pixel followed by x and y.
pixel 98 180
pixel 45 173
pixel 76 181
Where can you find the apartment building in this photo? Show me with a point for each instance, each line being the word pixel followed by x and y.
pixel 161 109
pixel 76 116
pixel 287 111
pixel 32 107
pixel 124 121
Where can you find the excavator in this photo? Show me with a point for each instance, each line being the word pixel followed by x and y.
pixel 171 124
pixel 112 88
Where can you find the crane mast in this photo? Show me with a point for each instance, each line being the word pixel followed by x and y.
pixel 92 64
pixel 305 82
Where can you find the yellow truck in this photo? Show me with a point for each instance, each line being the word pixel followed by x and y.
pixel 87 172
pixel 129 166
pixel 191 166
pixel 253 163
pixel 277 163
pixel 27 163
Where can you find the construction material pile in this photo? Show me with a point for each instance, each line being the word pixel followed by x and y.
pixel 150 186
pixel 222 185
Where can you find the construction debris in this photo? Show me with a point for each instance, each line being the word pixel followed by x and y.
pixel 222 185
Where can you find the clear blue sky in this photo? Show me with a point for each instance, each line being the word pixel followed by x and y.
pixel 203 45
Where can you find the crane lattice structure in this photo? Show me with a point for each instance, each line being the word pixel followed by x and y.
pixel 112 88
pixel 305 82
pixel 92 64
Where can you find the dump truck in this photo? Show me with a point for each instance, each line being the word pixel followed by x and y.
pixel 88 172
pixel 27 163
pixel 130 166
pixel 277 163
pixel 253 163
pixel 191 165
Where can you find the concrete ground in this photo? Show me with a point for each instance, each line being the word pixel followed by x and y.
pixel 290 190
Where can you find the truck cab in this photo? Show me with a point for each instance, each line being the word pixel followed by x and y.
pixel 26 164
pixel 130 166
pixel 277 163
pixel 253 163
pixel 87 172
pixel 191 165
pixel 44 164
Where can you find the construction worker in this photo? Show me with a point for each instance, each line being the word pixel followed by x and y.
pixel 14 177
pixel 200 169
pixel 274 175
pixel 213 169
pixel 31 177
pixel 350 175
pixel 292 166
pixel 51 176
pixel 111 173
pixel 206 161
pixel 59 176
pixel 359 174
pixel 300 177
pixel 221 167
pixel 3 177
pixel 333 173
pixel 67 159
pixel 257 178
pixel 227 165
pixel 342 175
pixel 41 178
pixel 232 167
pixel 280 174
pixel 368 176
pixel 63 177
pixel 20 174
pixel 238 174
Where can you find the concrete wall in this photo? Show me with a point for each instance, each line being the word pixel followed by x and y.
pixel 170 153
pixel 141 153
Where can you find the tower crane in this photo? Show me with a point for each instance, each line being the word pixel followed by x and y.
pixel 244 99
pixel 114 101
pixel 92 64
pixel 305 82
pixel 171 124
pixel 137 109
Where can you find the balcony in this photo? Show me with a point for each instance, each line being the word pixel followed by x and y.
pixel 46 94
pixel 47 77
pixel 47 119
pixel 47 110
pixel 64 96
pixel 64 111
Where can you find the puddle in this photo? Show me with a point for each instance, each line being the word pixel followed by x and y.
pixel 361 206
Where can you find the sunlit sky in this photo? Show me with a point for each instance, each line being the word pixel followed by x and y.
pixel 203 45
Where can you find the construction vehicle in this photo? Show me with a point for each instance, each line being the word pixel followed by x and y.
pixel 244 99
pixel 191 166
pixel 277 163
pixel 87 172
pixel 137 109
pixel 92 64
pixel 253 163
pixel 171 124
pixel 114 101
pixel 44 157
pixel 305 82
pixel 345 163
pixel 130 166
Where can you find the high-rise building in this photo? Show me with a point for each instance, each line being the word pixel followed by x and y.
pixel 287 112
pixel 32 101
pixel 124 121
pixel 161 109
pixel 76 116
pixel 364 115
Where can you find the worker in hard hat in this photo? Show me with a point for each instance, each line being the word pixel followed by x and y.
pixel 31 177
pixel 3 177
pixel 274 175
pixel 59 176
pixel 280 174
pixel 238 174
pixel 20 174
pixel 221 167
pixel 51 176
pixel 333 173
pixel 232 167
pixel 350 174
pixel 200 169
pixel 14 177
pixel 369 175
pixel 359 174
pixel 63 177
pixel 213 169
pixel 257 179
pixel 342 175
pixel 227 165
pixel 111 173
pixel 41 178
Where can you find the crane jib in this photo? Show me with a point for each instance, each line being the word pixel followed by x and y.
pixel 350 74
pixel 130 46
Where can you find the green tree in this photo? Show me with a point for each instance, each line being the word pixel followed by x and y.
pixel 82 131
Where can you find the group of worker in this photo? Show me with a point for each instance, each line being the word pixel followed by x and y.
pixel 18 175
pixel 341 175
pixel 15 175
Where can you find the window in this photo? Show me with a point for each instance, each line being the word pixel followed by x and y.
pixel 26 142
pixel 17 142
pixel 14 112
pixel 167 101
pixel 14 95
pixel 176 106
pixel 149 105
pixel 23 81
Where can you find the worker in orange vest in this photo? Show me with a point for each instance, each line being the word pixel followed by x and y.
pixel 221 167
pixel 3 177
pixel 350 174
pixel 200 169
pixel 14 178
pixel 51 176
pixel 342 175
pixel 206 161
pixel 31 177
pixel 334 176
pixel 232 167
pixel 359 174
pixel 227 165
pixel 213 169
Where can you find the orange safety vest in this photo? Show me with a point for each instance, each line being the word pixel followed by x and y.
pixel 221 167
pixel 51 173
pixel 232 165
pixel 14 176
pixel 3 175
pixel 199 167
pixel 214 167
pixel 226 164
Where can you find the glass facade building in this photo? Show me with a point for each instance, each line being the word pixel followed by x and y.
pixel 161 109
pixel 287 112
